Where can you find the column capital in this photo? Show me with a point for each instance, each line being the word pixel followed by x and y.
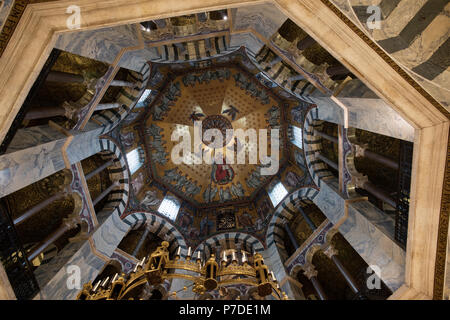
pixel 72 110
pixel 330 251
pixel 72 221
pixel 309 271
pixel 359 150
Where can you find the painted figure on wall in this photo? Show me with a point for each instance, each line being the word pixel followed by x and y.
pixel 264 209
pixel 210 193
pixel 184 219
pixel 222 173
pixel 237 190
pixel 151 199
pixel 293 180
pixel 138 183
pixel 245 219
pixel 206 226
pixel 127 139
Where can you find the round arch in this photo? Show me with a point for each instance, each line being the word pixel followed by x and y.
pixel 229 240
pixel 159 226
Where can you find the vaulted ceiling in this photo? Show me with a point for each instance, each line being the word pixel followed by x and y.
pixel 225 93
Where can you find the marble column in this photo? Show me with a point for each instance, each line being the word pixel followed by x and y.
pixel 68 224
pixel 332 164
pixel 58 76
pixel 31 212
pixel 311 273
pixel 332 253
pixel 363 151
pixel 99 169
pixel 141 242
pixel 377 192
pixel 291 235
pixel 326 136
pixel 305 43
pixel 307 219
pixel 105 193
pixel 337 70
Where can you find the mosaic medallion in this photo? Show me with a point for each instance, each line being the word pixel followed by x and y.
pixel 217 122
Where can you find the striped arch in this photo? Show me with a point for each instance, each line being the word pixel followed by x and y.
pixel 118 171
pixel 127 98
pixel 275 230
pixel 230 240
pixel 312 144
pixel 159 226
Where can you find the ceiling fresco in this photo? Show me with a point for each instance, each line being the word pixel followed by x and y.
pixel 224 93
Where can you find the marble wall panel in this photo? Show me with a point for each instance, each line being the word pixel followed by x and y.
pixel 24 167
pixel 265 19
pixel 249 40
pixel 361 113
pixel 41 158
pixel 366 230
pixel 274 262
pixel 134 60
pixel 102 44
pixel 105 239
pixel 90 265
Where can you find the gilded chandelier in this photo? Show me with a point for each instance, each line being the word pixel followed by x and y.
pixel 205 277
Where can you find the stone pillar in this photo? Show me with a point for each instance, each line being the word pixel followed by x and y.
pixel 362 151
pixel 307 219
pixel 326 136
pixel 337 70
pixel 327 161
pixel 105 193
pixel 141 242
pixel 305 43
pixel 332 253
pixel 44 112
pixel 99 169
pixel 291 235
pixel 311 273
pixel 58 76
pixel 68 223
pixel 31 212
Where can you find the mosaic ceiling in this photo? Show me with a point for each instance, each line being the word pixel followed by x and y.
pixel 224 93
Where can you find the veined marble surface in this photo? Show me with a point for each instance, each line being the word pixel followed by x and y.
pixel 106 239
pixel 361 115
pixel 274 262
pixel 365 230
pixel 102 44
pixel 249 40
pixel 39 157
pixel 265 19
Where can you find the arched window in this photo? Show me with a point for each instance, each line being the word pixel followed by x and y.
pixel 297 136
pixel 169 207
pixel 277 193
pixel 134 160
pixel 141 101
